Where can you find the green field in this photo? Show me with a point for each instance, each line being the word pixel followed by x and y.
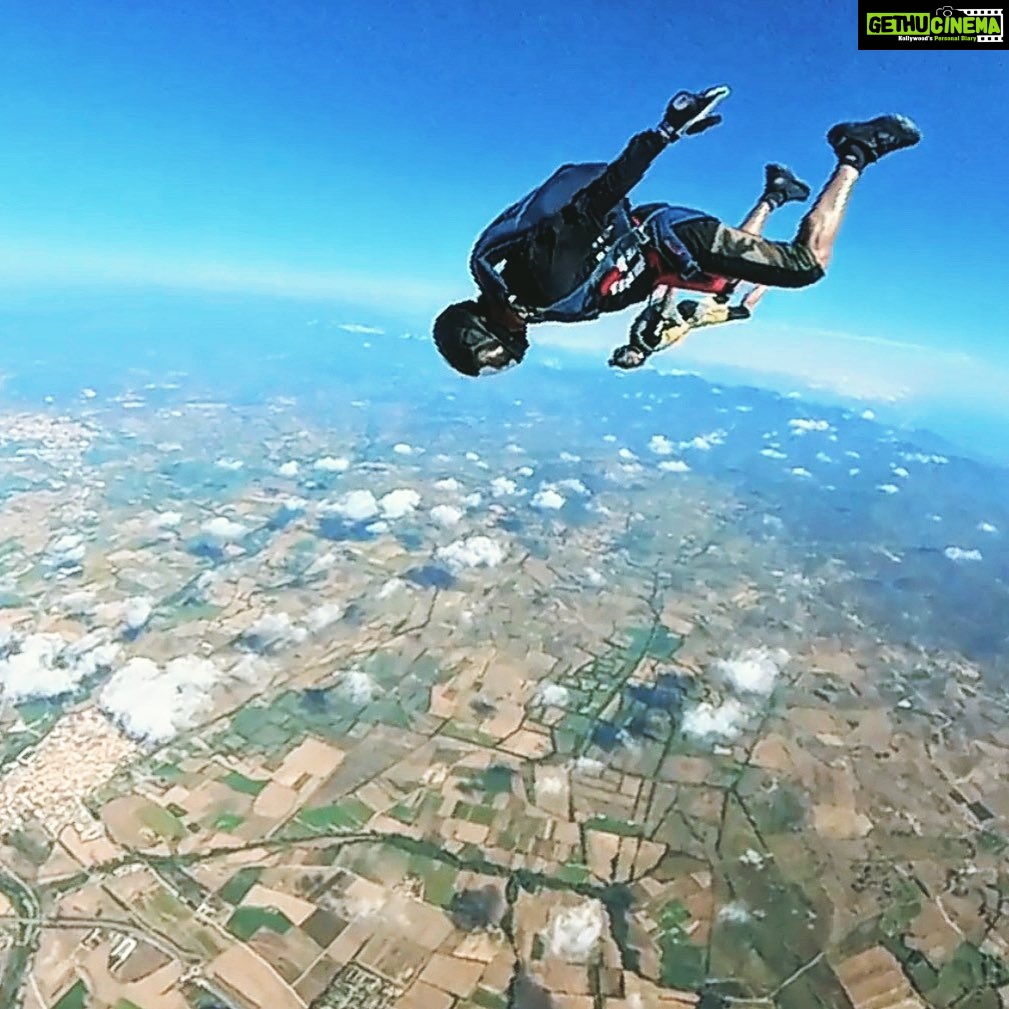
pixel 240 783
pixel 349 814
pixel 247 921
pixel 683 964
pixel 75 998
pixel 228 821
pixel 163 823
pixel 234 891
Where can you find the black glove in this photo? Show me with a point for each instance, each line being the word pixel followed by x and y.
pixel 688 113
pixel 659 325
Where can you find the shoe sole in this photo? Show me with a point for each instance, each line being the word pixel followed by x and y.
pixel 911 133
pixel 801 190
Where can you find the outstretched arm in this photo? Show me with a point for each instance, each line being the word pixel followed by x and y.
pixel 601 195
pixel 686 115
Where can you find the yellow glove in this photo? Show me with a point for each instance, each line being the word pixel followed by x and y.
pixel 669 332
pixel 711 312
pixel 706 312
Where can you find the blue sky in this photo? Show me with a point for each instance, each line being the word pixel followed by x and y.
pixel 349 153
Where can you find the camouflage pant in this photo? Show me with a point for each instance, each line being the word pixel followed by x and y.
pixel 728 252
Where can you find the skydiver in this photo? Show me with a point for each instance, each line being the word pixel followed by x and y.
pixel 574 248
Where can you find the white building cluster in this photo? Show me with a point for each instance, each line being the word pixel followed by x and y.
pixel 50 782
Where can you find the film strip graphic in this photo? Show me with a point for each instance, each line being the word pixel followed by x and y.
pixel 982 12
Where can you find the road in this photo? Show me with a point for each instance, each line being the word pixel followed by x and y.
pixel 29 921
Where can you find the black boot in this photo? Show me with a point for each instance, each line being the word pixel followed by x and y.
pixel 782 186
pixel 860 144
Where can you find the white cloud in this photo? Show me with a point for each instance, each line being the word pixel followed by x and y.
pixel 735 913
pixel 570 457
pixel 725 720
pixel 888 488
pixel 357 327
pixel 448 484
pixel 772 453
pixel 754 671
pixel 574 933
pixel 392 586
pixel 674 466
pixel 402 448
pixel 705 442
pixel 802 425
pixel 153 702
pixel 399 503
pixel 322 616
pixel 166 520
pixel 294 505
pixel 574 486
pixel 594 578
pixel 332 464
pixel 554 695
pixel 232 465
pixel 136 612
pixel 472 552
pixel 868 415
pixel 273 631
pixel 79 603
pixel 900 471
pixel 66 551
pixel 358 686
pixel 222 530
pixel 551 781
pixel 959 554
pixel 800 471
pixel 321 563
pixel 289 468
pixel 446 515
pixel 501 486
pixel 47 665
pixel 356 506
pixel 525 471
pixel 548 499
pixel 987 527
pixel 660 444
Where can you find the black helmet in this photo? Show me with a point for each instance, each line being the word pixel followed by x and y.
pixel 473 344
